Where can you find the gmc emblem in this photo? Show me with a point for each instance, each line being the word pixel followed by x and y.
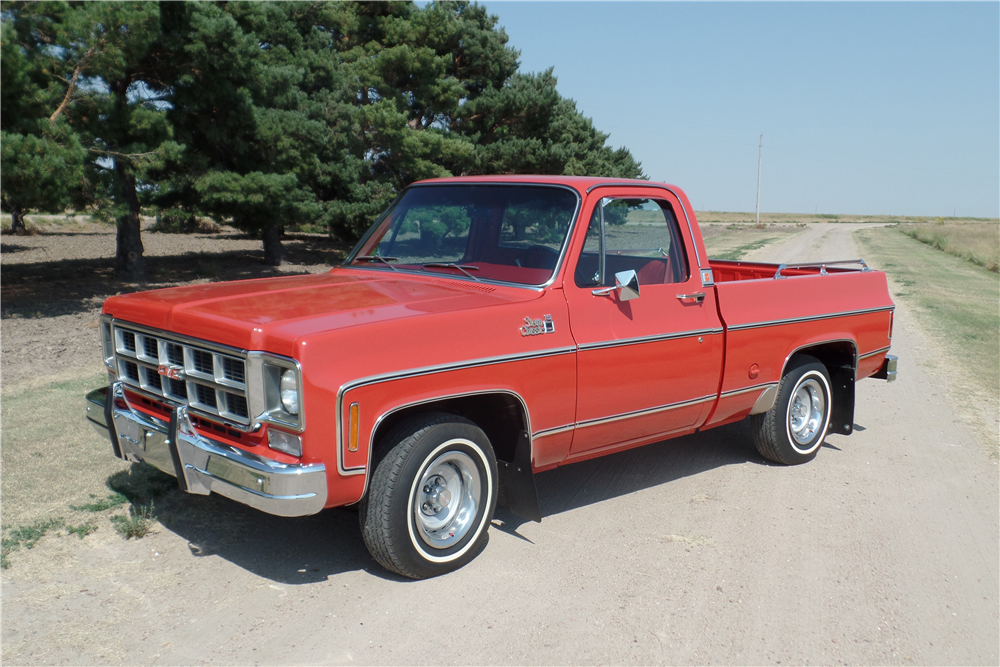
pixel 172 372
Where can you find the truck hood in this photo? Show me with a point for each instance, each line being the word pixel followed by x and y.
pixel 272 313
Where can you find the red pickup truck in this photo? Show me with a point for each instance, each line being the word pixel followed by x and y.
pixel 483 330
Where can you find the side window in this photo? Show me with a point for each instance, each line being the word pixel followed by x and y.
pixel 639 234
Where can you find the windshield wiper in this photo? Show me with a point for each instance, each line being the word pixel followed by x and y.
pixel 452 265
pixel 380 258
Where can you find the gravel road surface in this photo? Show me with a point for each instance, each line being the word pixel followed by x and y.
pixel 884 550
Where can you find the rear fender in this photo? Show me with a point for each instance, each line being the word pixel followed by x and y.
pixel 841 360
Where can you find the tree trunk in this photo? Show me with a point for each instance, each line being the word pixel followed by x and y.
pixel 17 219
pixel 130 265
pixel 273 250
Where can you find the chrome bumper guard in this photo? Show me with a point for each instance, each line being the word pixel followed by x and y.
pixel 202 465
pixel 887 371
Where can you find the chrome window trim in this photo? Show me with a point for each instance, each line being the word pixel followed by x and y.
pixel 658 186
pixel 447 276
pixel 416 372
pixel 808 318
pixel 570 231
pixel 585 347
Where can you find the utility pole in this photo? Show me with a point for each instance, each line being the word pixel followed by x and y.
pixel 760 155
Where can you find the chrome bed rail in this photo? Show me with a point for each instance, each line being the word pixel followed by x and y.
pixel 822 266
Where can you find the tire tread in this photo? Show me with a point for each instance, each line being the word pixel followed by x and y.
pixel 375 518
pixel 768 428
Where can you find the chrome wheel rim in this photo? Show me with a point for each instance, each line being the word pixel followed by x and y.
pixel 806 412
pixel 446 499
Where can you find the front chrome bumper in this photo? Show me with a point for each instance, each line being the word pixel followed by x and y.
pixel 202 465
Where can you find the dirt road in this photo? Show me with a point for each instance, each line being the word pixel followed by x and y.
pixel 884 550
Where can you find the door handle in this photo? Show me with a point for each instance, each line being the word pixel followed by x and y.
pixel 697 296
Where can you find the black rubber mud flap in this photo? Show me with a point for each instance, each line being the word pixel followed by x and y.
pixel 174 456
pixel 517 492
pixel 842 416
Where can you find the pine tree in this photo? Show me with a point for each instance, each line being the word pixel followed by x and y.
pixel 260 107
pixel 41 157
pixel 439 95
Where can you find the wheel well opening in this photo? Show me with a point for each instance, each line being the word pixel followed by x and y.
pixel 501 416
pixel 840 360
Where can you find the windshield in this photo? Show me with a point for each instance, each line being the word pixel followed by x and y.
pixel 508 233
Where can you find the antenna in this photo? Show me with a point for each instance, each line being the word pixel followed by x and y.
pixel 760 155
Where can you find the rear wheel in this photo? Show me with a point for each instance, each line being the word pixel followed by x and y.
pixel 792 431
pixel 431 497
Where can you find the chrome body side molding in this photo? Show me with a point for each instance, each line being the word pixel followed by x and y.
pixel 648 339
pixel 874 352
pixel 808 318
pixel 424 370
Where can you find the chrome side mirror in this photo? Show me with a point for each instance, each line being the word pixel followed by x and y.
pixel 627 284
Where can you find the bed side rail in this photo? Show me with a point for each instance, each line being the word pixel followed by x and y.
pixel 821 265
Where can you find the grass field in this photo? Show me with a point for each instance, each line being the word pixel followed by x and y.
pixel 735 240
pixel 61 478
pixel 978 243
pixel 957 303
pixel 705 217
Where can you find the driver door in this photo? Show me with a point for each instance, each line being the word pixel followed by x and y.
pixel 648 366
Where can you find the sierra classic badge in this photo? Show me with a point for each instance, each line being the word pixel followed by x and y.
pixel 538 327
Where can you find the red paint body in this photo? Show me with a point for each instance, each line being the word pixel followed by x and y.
pixel 386 340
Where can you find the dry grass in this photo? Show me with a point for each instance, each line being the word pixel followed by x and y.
pixel 958 303
pixel 51 458
pixel 792 218
pixel 978 243
pixel 735 240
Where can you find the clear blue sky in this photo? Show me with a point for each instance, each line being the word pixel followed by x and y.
pixel 887 108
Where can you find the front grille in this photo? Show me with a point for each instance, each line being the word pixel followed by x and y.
pixel 233 370
pixel 212 378
pixel 203 362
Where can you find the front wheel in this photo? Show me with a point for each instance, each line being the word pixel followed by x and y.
pixel 431 497
pixel 792 431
